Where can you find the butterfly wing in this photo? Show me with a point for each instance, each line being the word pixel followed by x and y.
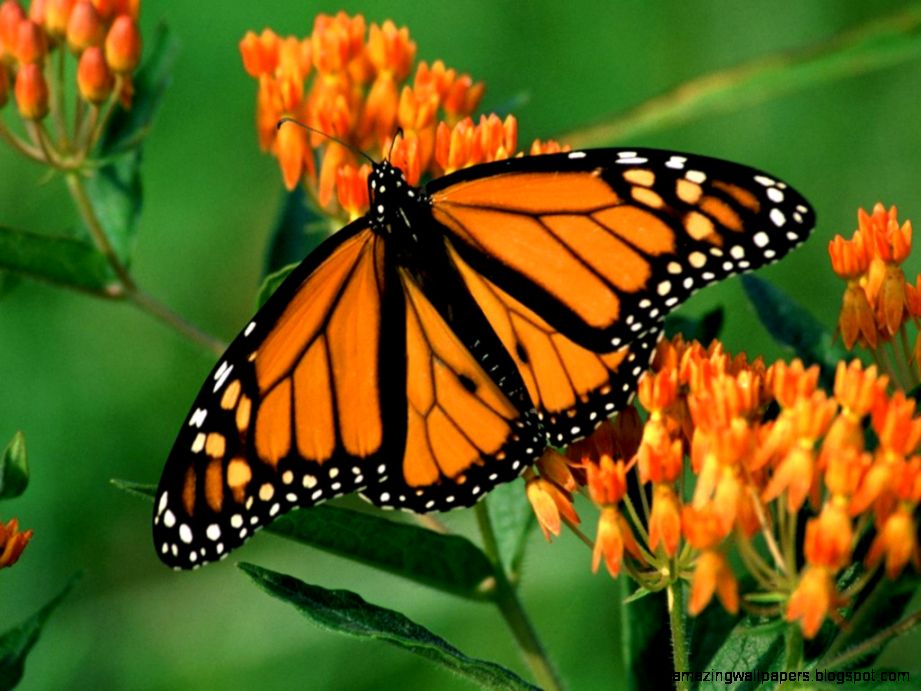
pixel 576 258
pixel 465 433
pixel 293 413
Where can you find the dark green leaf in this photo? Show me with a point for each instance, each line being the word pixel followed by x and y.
pixel 645 640
pixel 116 194
pixel 877 44
pixel 703 329
pixel 14 468
pixel 345 612
pixel 749 647
pixel 16 643
pixel 447 562
pixel 8 281
pixel 794 327
pixel 298 230
pixel 512 520
pixel 271 282
pixel 127 127
pixel 66 261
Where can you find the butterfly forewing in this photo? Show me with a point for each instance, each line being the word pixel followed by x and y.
pixel 292 415
pixel 602 244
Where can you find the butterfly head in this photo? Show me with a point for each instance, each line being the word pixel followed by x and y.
pixel 388 193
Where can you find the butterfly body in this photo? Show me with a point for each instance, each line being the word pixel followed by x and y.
pixel 434 348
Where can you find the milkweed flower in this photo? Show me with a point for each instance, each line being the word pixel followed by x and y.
pixel 360 83
pixel 12 542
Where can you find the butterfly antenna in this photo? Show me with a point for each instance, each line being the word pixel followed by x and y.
pixel 328 136
pixel 397 135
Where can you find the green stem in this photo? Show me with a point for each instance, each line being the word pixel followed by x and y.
pixel 876 642
pixel 131 290
pixel 512 611
pixel 676 621
pixel 859 618
pixel 793 658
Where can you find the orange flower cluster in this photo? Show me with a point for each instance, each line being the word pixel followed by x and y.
pixel 12 542
pixel 352 81
pixel 764 445
pixel 101 34
pixel 877 301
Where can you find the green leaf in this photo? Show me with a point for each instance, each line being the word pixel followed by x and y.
pixel 65 261
pixel 298 230
pixel 703 329
pixel 791 325
pixel 512 520
pixel 345 612
pixel 16 643
pixel 877 44
pixel 637 594
pixel 128 127
pixel 116 194
pixel 14 468
pixel 271 282
pixel 449 563
pixel 645 640
pixel 757 648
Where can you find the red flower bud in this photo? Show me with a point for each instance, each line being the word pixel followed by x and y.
pixel 11 15
pixel 123 45
pixel 85 27
pixel 31 92
pixel 57 13
pixel 31 42
pixel 94 79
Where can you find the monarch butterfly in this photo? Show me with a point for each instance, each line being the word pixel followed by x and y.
pixel 435 347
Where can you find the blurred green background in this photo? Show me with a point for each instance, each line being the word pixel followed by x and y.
pixel 100 389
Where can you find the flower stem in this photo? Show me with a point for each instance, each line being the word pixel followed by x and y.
pixel 132 292
pixel 676 621
pixel 875 642
pixel 509 605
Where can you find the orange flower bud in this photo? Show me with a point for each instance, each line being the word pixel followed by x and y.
pixel 813 599
pixel 31 42
pixel 657 391
pixel 37 11
pixel 31 92
pixel 613 536
pixel 895 424
pixel 553 466
pixel 462 97
pixel 12 542
pixel 795 474
pixel 549 503
pixel 659 458
pixel 549 146
pixel 57 14
pixel 857 319
pixel 352 189
pixel 897 540
pixel 407 156
pixel 891 301
pixel 292 152
pixel 391 50
pixel 890 242
pixel 123 45
pixel 828 537
pixel 94 79
pixel 11 15
pixel 792 382
pixel 85 27
pixel 105 8
pixel 850 259
pixel 260 53
pixel 607 481
pixel 858 390
pixel 703 527
pixel 664 520
pixel 712 573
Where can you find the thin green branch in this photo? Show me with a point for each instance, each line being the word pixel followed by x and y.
pixel 870 46
pixel 676 621
pixel 512 610
pixel 873 643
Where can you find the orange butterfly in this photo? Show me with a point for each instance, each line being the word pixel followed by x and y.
pixel 435 347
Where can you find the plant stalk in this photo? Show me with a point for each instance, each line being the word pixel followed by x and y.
pixel 513 612
pixel 676 621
